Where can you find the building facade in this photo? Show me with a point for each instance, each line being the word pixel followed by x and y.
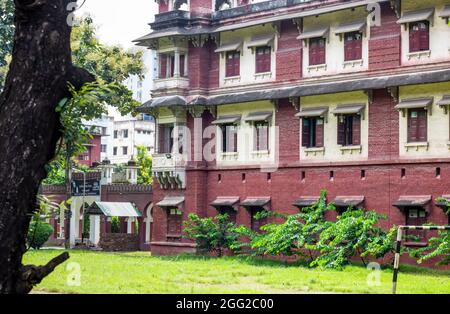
pixel 263 105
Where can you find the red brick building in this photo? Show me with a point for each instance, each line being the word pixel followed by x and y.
pixel 263 105
pixel 92 154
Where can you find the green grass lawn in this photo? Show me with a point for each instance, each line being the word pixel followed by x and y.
pixel 141 273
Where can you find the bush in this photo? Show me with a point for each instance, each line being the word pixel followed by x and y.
pixel 211 234
pixel 38 233
pixel 115 225
pixel 437 246
pixel 353 234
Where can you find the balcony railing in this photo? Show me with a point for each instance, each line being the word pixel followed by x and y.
pixel 170 170
pixel 171 83
pixel 170 19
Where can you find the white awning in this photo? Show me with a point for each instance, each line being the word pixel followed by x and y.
pixel 415 103
pixel 446 12
pixel 416 16
pixel 227 120
pixel 171 201
pixel 258 116
pixel 350 27
pixel 445 101
pixel 261 41
pixel 312 112
pixel 230 47
pixel 349 109
pixel 113 209
pixel 314 33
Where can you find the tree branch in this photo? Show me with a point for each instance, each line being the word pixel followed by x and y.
pixel 32 275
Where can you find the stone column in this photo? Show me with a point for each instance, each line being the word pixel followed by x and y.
pixel 176 66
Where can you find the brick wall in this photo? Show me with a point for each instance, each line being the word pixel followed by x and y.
pixel 289 53
pixel 383 126
pixel 385 41
pixel 119 242
pixel 288 132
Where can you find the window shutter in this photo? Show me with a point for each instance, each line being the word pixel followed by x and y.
pixel 259 60
pixel 348 47
pixel 341 131
pixel 182 57
pixel 264 138
pixel 162 66
pixel 321 52
pixel 319 132
pixel 172 65
pixel 161 139
pixel 412 125
pixel 424 36
pixel 229 64
pixel 357 49
pixel 356 130
pixel 267 57
pixel 237 69
pixel 414 38
pixel 422 126
pixel 305 132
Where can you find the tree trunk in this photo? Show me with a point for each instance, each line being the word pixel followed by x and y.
pixel 37 80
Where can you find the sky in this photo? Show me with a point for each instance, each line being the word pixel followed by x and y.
pixel 120 21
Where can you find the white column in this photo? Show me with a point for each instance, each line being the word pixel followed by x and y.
pixel 176 66
pixel 186 64
pixel 94 230
pixel 73 223
pixel 129 225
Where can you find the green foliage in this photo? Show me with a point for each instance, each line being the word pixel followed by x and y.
pixel 353 233
pixel 6 37
pixel 115 225
pixel 437 247
pixel 290 237
pixel 211 234
pixel 39 232
pixel 144 162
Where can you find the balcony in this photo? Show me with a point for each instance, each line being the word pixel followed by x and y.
pixel 171 83
pixel 175 18
pixel 170 170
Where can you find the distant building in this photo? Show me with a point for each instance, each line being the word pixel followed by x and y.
pixel 119 135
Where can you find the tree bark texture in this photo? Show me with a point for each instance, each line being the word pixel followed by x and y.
pixel 37 80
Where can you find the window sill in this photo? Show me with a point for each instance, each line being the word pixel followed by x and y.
pixel 314 151
pixel 232 79
pixel 317 67
pixel 419 54
pixel 416 146
pixel 351 149
pixel 263 75
pixel 229 155
pixel 416 244
pixel 174 236
pixel 353 63
pixel 260 153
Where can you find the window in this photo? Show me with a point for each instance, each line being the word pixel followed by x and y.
pixel 124 150
pixel 317 51
pixel 312 132
pixel 174 222
pixel 103 148
pixel 165 138
pixel 232 63
pixel 229 138
pixel 116 133
pixel 104 131
pixel 419 36
pixel 417 125
pixel 125 133
pixel 416 217
pixel 115 151
pixel 182 61
pixel 261 136
pixel 263 59
pixel 353 46
pixel 349 130
pixel 256 224
pixel 162 66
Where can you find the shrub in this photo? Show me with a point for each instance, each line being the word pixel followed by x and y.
pixel 211 234
pixel 38 233
pixel 353 234
pixel 115 225
pixel 437 246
